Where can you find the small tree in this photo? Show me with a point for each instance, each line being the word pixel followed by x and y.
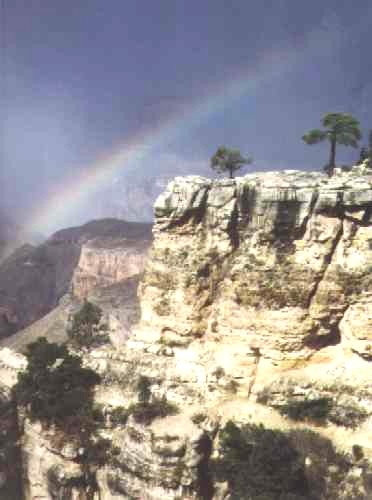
pixel 57 390
pixel 228 160
pixel 85 325
pixel 55 386
pixel 341 128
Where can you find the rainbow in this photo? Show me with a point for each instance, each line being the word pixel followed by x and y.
pixel 76 190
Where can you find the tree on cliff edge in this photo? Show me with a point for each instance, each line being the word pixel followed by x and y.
pixel 228 160
pixel 341 128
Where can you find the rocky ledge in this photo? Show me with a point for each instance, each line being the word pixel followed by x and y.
pixel 277 264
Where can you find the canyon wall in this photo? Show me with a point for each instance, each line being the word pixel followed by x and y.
pixel 256 290
pixel 279 263
pixel 76 261
pixel 105 262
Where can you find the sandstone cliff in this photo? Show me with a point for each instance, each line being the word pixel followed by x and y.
pixel 97 254
pixel 257 293
pixel 105 262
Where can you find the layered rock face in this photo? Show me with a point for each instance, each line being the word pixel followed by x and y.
pixel 105 262
pixel 276 266
pixel 257 292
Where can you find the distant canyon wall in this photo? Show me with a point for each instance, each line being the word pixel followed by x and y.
pixel 105 263
pixel 75 260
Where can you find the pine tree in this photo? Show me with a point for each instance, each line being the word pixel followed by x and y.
pixel 340 128
pixel 228 160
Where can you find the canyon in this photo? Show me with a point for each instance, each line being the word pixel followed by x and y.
pixel 34 279
pixel 254 292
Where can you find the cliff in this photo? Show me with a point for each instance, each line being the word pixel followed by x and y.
pixel 75 260
pixel 105 262
pixel 279 262
pixel 256 299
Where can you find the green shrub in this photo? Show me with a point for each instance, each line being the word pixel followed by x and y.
pixel 322 409
pixel 259 463
pixel 144 389
pixel 347 415
pixel 313 409
pixel 299 464
pixel 146 412
pixel 119 415
pixel 85 331
pixel 326 468
pixel 56 389
pixel 55 385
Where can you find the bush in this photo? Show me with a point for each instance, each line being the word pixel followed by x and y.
pixel 259 463
pixel 143 388
pixel 85 331
pixel 55 386
pixel 326 467
pixel 322 409
pixel 300 464
pixel 119 415
pixel 313 409
pixel 348 415
pixel 145 413
pixel 56 389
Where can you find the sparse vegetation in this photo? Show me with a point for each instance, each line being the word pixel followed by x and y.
pixel 162 307
pixel 329 404
pixel 148 407
pixel 272 289
pixel 317 409
pixel 353 284
pixel 219 372
pixel 347 415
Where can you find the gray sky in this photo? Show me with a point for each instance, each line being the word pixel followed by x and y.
pixel 79 77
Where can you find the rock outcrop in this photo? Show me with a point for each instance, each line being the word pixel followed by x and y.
pixel 76 260
pixel 257 295
pixel 277 264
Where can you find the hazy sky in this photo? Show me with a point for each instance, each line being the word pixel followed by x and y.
pixel 78 77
